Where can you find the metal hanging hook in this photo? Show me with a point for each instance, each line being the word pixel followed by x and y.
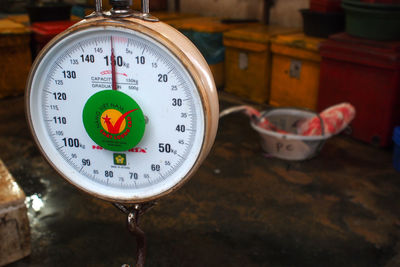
pixel 134 212
pixel 99 7
pixel 145 14
pixel 121 9
pixel 145 7
pixel 98 10
pixel 133 227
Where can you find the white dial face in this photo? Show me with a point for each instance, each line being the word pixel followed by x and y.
pixel 79 66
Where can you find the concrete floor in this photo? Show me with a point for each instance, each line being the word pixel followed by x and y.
pixel 240 209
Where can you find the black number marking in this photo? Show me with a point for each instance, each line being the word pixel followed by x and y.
pixel 71 142
pixel 155 167
pixel 177 102
pixel 162 78
pixel 60 120
pixel 86 162
pixel 180 128
pixel 117 60
pixel 164 148
pixel 87 58
pixel 140 60
pixel 60 96
pixel 134 175
pixel 69 74
pixel 109 174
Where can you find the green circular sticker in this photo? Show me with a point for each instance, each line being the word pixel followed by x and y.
pixel 113 120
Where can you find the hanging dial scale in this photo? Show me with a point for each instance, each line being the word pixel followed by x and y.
pixel 123 106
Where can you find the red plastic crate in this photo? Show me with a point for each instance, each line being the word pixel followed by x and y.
pixel 43 32
pixel 366 74
pixel 326 6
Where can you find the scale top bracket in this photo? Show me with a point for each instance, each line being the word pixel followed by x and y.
pixel 121 9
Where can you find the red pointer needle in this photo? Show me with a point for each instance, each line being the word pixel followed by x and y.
pixel 113 73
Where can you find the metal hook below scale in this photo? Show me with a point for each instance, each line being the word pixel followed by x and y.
pixel 134 212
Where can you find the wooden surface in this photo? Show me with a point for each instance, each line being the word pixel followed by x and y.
pixel 10 193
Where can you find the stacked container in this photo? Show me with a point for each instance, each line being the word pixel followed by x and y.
pixel 16 57
pixel 43 32
pixel 396 151
pixel 325 17
pixel 376 21
pixel 248 60
pixel 207 34
pixel 165 16
pixel 325 6
pixel 382 1
pixel 295 71
pixel 155 5
pixel 365 73
pixel 22 19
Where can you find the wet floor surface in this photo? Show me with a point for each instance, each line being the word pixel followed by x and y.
pixel 240 209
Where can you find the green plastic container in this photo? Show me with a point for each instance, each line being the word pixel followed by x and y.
pixel 372 21
pixel 372 5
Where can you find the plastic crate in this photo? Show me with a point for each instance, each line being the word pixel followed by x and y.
pixel 207 34
pixel 382 1
pixel 43 32
pixel 49 12
pixel 167 16
pixel 372 20
pixel 326 6
pixel 396 150
pixel 322 25
pixel 155 5
pixel 16 57
pixel 295 71
pixel 248 60
pixel 365 73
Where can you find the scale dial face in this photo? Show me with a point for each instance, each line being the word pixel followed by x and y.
pixel 66 112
